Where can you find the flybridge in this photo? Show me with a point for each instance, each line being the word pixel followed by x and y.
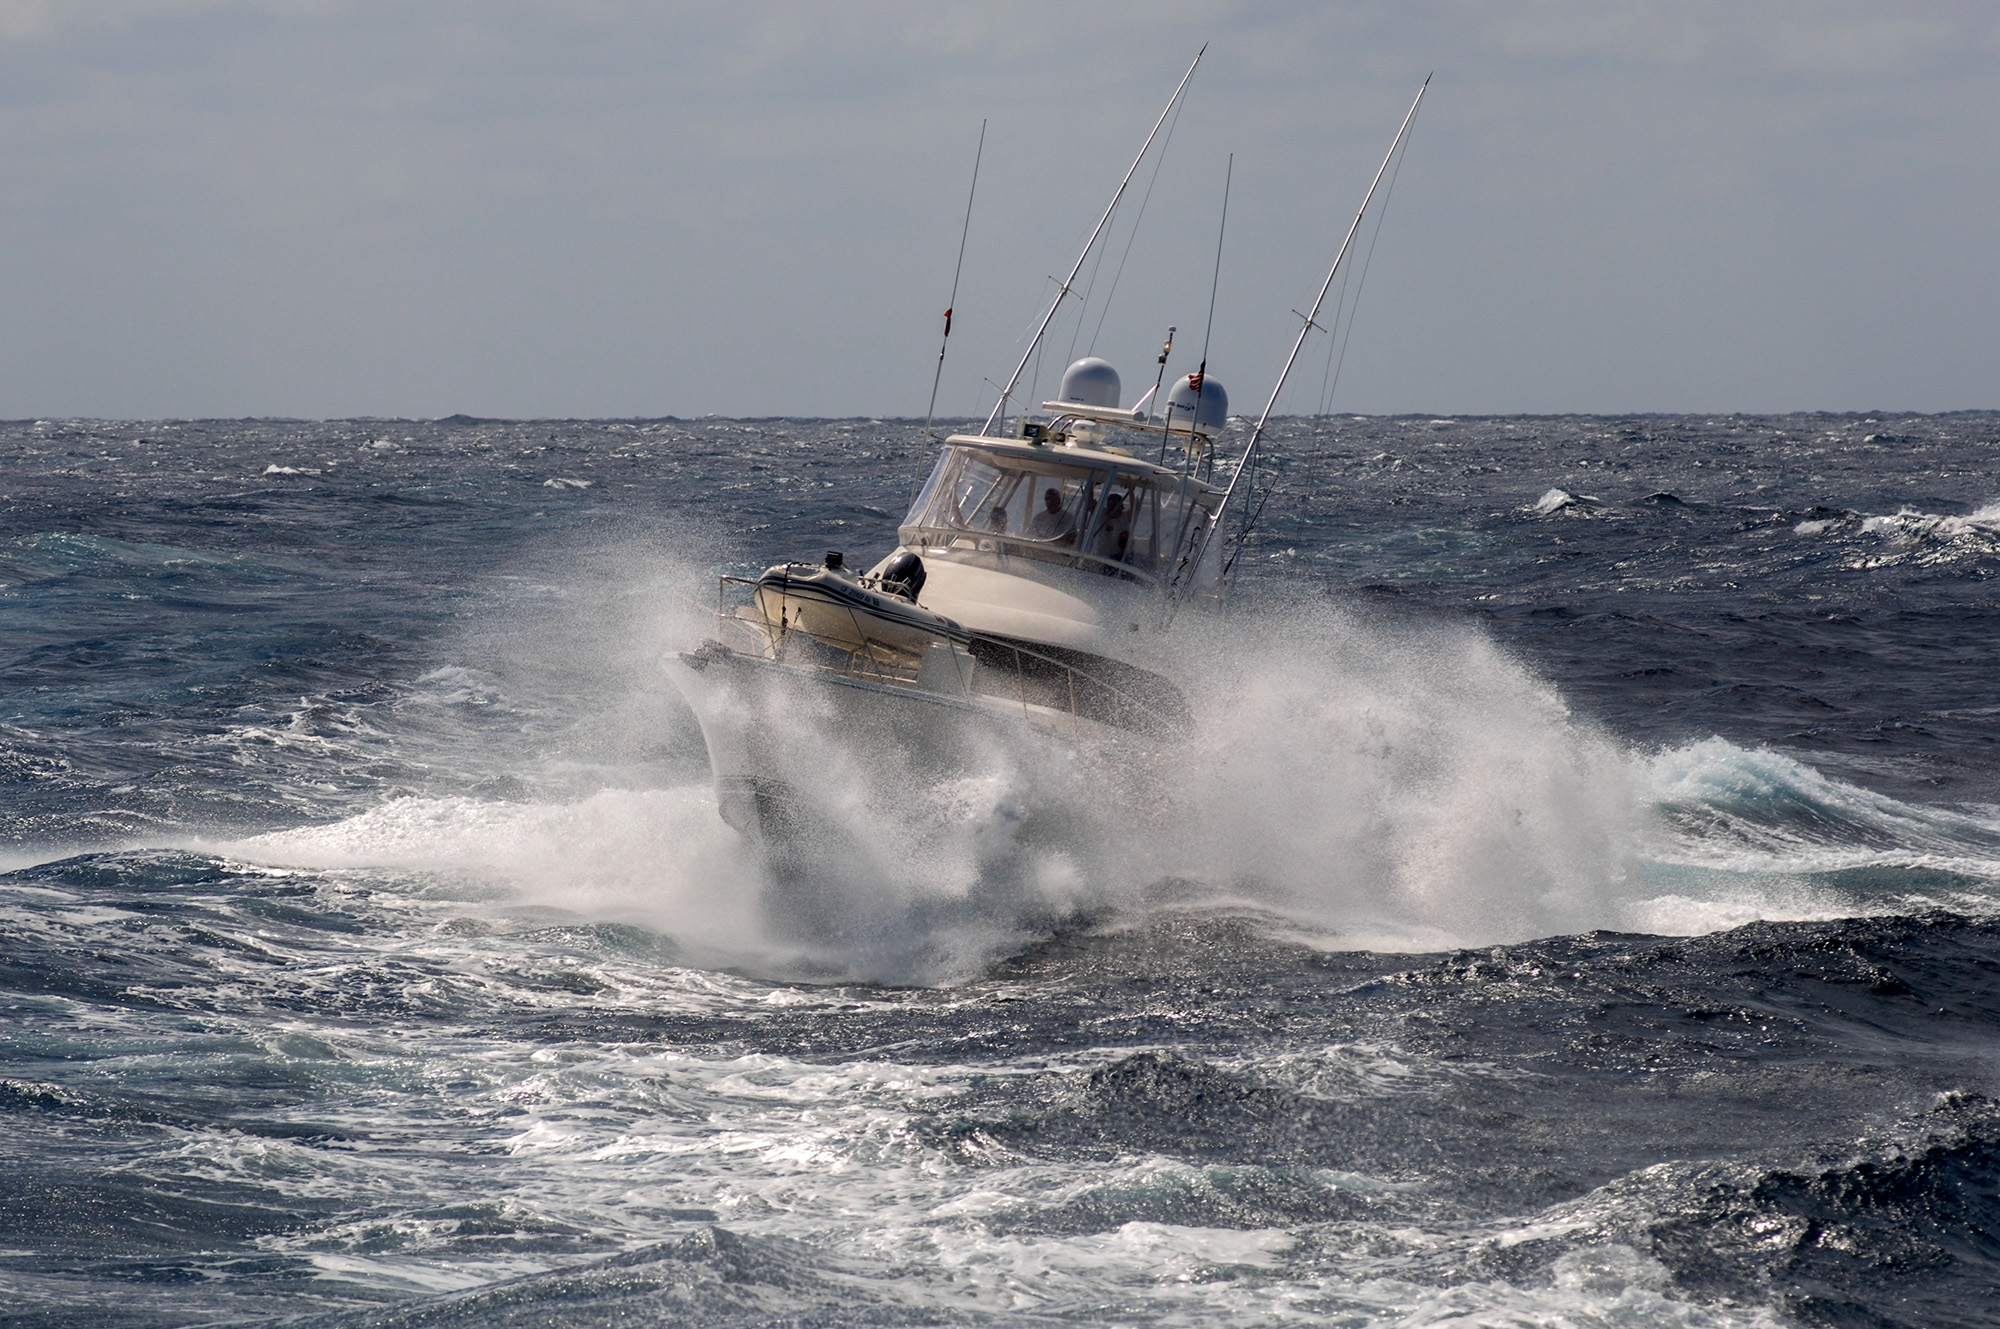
pixel 1136 418
pixel 1197 410
pixel 1089 399
pixel 1033 573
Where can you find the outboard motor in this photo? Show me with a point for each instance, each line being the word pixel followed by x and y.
pixel 904 575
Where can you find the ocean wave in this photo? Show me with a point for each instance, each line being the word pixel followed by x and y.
pixel 1562 501
pixel 1912 536
pixel 1760 811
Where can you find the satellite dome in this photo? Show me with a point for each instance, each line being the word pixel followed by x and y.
pixel 1091 382
pixel 1209 413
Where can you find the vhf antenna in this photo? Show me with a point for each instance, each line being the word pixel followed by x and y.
pixel 938 377
pixel 1215 284
pixel 1158 379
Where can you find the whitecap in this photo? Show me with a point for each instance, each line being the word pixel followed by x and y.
pixel 1909 524
pixel 1561 500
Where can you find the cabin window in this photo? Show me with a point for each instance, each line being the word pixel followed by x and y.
pixel 995 496
pixel 1117 522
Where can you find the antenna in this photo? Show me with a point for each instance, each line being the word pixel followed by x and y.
pixel 1200 380
pixel 1178 592
pixel 1166 350
pixel 938 377
pixel 1000 407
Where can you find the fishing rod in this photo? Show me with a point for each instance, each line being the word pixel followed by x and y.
pixel 950 304
pixel 1184 575
pixel 1000 407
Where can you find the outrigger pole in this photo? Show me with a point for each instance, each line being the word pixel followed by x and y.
pixel 931 410
pixel 1257 434
pixel 1000 407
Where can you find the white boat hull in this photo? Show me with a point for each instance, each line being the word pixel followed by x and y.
pixel 780 736
pixel 872 803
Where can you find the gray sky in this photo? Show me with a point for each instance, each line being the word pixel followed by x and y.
pixel 608 208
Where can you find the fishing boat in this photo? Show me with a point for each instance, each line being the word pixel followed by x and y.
pixel 1021 605
pixel 1020 618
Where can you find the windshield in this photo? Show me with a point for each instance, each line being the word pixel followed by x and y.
pixel 1118 521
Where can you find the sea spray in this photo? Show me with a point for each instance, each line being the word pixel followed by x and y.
pixel 1391 786
pixel 1398 784
pixel 658 858
pixel 1374 781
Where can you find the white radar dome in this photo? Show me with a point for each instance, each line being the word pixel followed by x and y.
pixel 1209 407
pixel 1091 382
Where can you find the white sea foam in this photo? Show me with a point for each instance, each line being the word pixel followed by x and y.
pixel 1907 521
pixel 1400 789
pixel 1561 500
pixel 659 858
pixel 1385 787
pixel 1738 835
pixel 1929 537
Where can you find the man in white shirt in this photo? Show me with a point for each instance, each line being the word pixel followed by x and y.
pixel 1051 522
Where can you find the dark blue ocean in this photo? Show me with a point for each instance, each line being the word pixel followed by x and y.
pixel 1578 904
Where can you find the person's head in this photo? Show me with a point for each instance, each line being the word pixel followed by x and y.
pixel 1114 505
pixel 1052 499
pixel 997 519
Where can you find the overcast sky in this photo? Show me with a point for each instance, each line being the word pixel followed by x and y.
pixel 614 208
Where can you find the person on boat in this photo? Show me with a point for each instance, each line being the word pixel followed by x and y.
pixel 1051 522
pixel 1078 529
pixel 1115 534
pixel 996 520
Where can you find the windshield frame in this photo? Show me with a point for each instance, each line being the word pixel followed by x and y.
pixel 982 499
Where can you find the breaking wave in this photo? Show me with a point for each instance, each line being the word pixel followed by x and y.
pixel 1374 786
